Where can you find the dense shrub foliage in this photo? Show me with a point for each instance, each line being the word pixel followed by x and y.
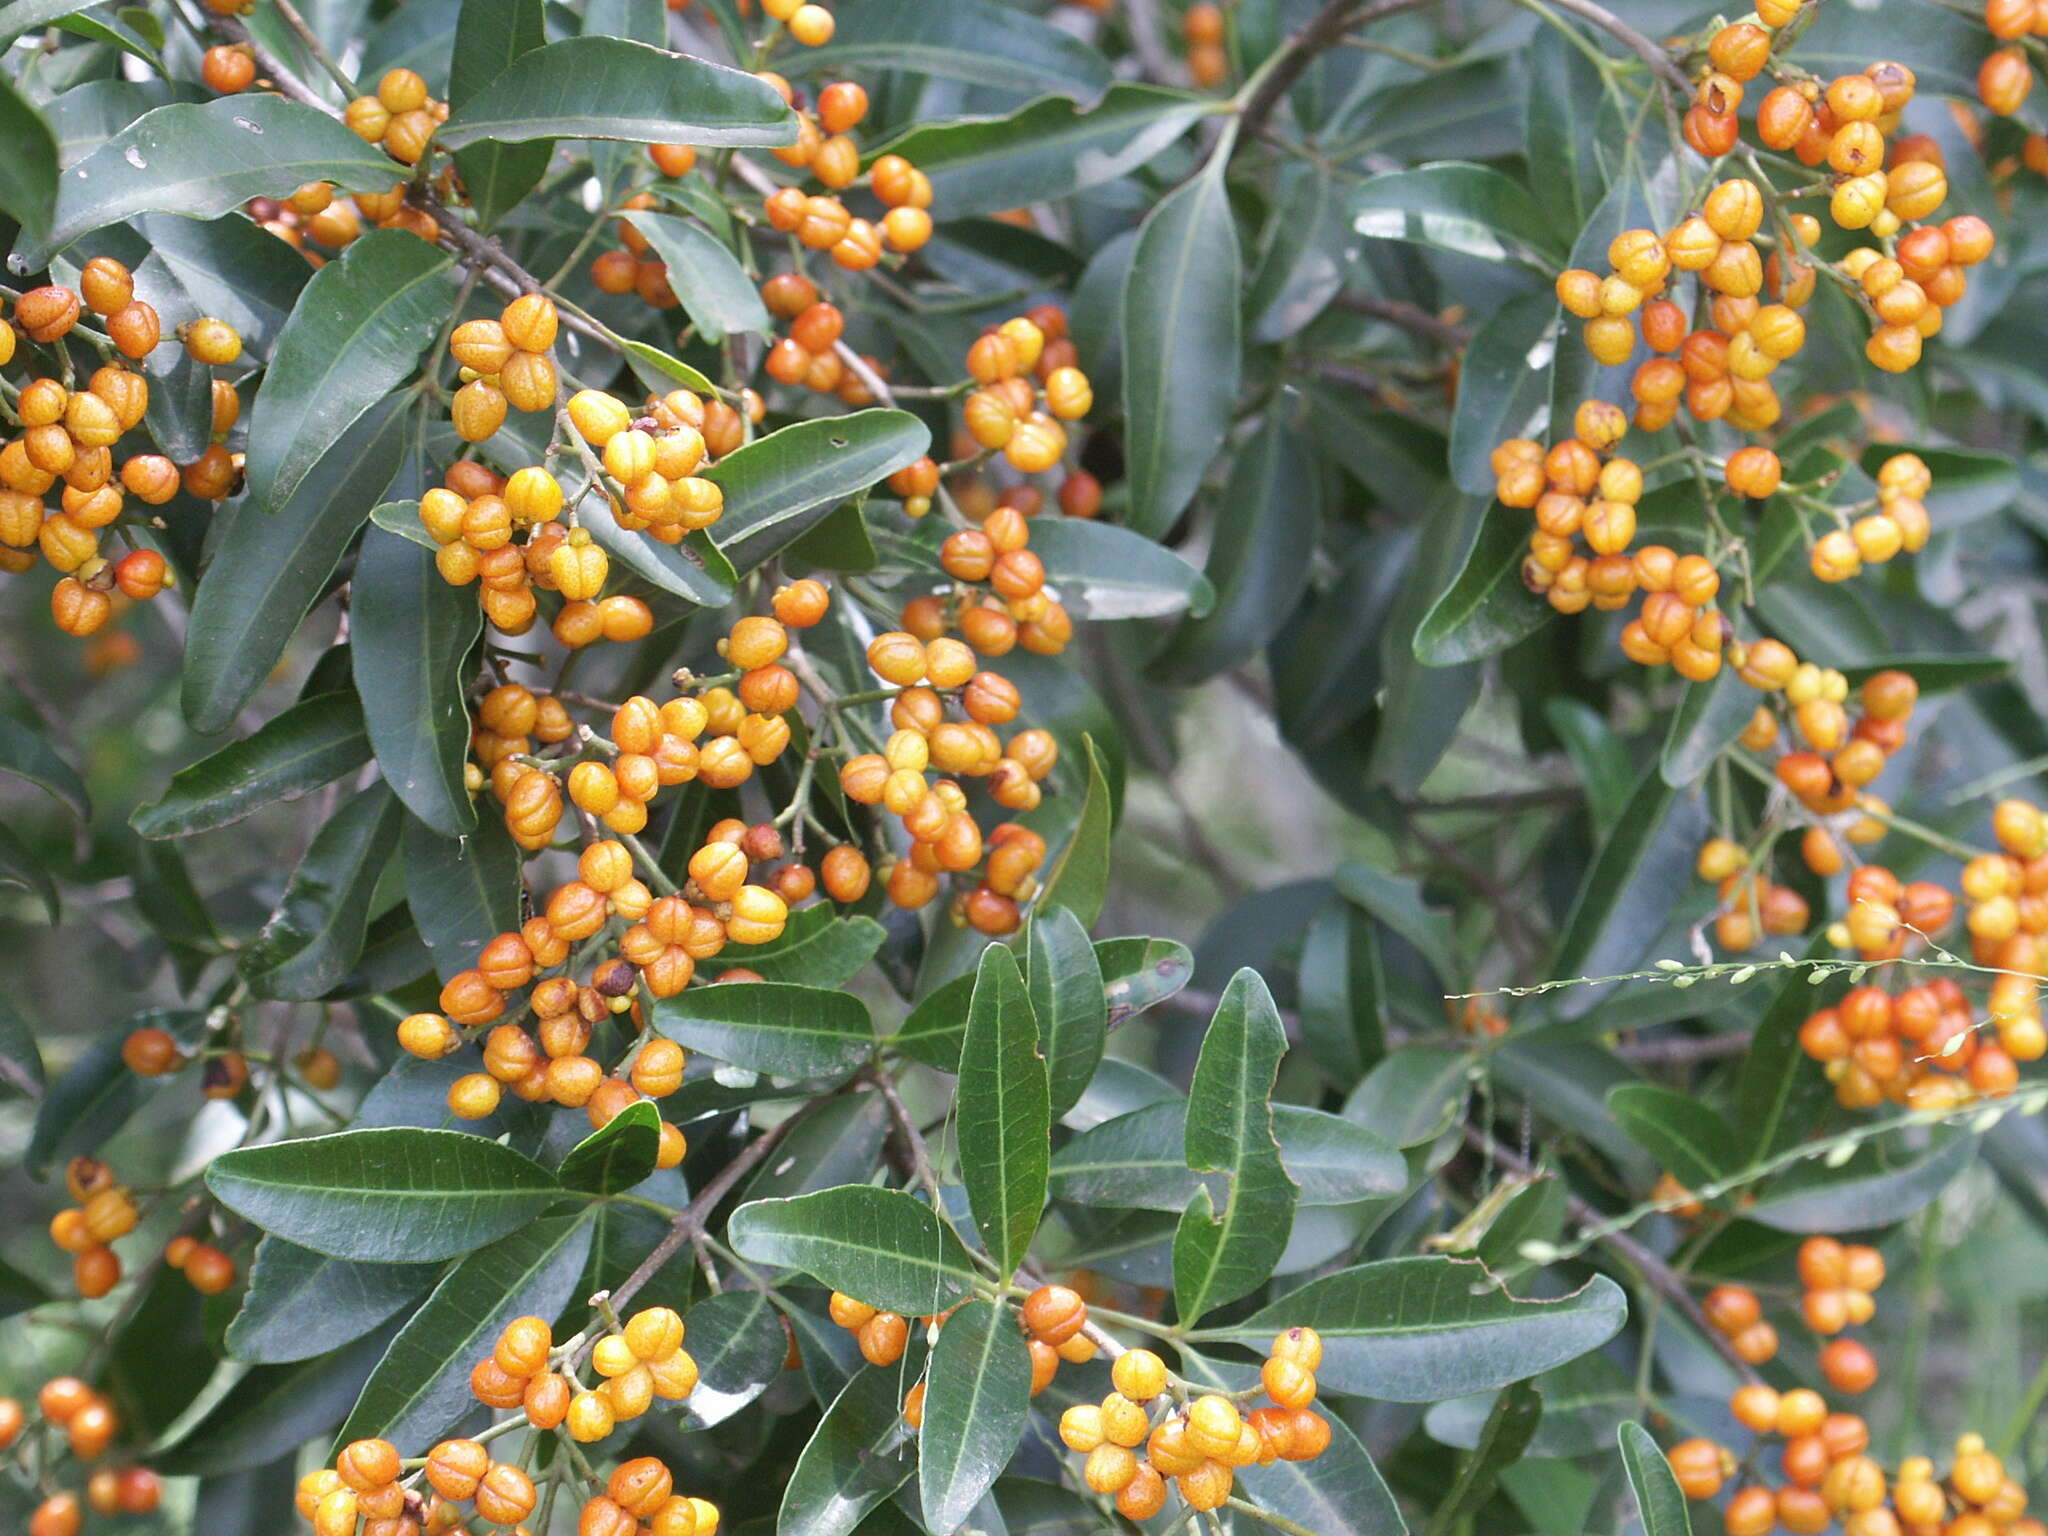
pixel 1017 766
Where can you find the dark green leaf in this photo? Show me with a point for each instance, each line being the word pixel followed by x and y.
pixel 770 1026
pixel 1884 1182
pixel 201 160
pixel 436 1193
pixel 1561 107
pixel 779 486
pixel 738 1344
pixel 609 88
pixel 1259 559
pixel 1065 985
pixel 617 1155
pixel 977 1400
pixel 268 568
pixel 979 41
pixel 409 633
pixel 1503 392
pixel 358 331
pixel 1506 1435
pixel 25 753
pixel 693 570
pixel 818 948
pixel 489 36
pixel 1454 206
pixel 18 1292
pixel 1781 1090
pixel 310 744
pixel 1709 717
pixel 1341 1490
pixel 1602 761
pixel 463 891
pixel 1397 901
pixel 421 1386
pixel 853 1460
pixel 1047 150
pixel 18 866
pixel 1417 1330
pixel 315 936
pixel 94 1096
pixel 1302 262
pixel 300 1303
pixel 881 1246
pixel 1413 1096
pixel 274 1410
pixel 1138 1161
pixel 28 173
pixel 1105 572
pixel 1685 1135
pixel 1342 993
pixel 1968 484
pixel 1486 608
pixel 1218 1258
pixel 21 1060
pixel 1079 880
pixel 1659 1502
pixel 1180 347
pixel 716 292
pixel 1005 1120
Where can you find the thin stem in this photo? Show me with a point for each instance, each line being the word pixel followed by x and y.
pixel 1266 89
pixel 1268 1517
pixel 314 47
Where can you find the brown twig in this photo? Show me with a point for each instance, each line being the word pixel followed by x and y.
pixel 1323 31
pixel 1657 58
pixel 1409 317
pixel 1683 1050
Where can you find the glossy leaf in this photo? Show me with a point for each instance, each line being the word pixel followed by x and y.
pixel 358 331
pixel 1561 108
pixel 1602 761
pixel 1486 608
pixel 1064 981
pixel 1102 572
pixel 1341 1490
pixel 421 1386
pixel 463 891
pixel 26 754
pixel 853 1460
pixel 1453 206
pixel 21 1059
pixel 1220 1255
pixel 1397 901
pixel 1781 1090
pixel 1883 1183
pixel 1417 1330
pixel 1506 1435
pixel 1180 347
pixel 489 36
pixel 436 1193
pixel 1079 880
pixel 887 1248
pixel 777 487
pixel 300 1304
pixel 736 1338
pixel 1005 1120
pixel 693 570
pixel 409 635
pixel 716 292
pixel 1048 150
pixel 268 568
pixel 1706 722
pixel 28 173
pixel 1342 993
pixel 1258 562
pixel 1503 392
pixel 1302 264
pixel 314 937
pixel 310 744
pixel 771 1027
pixel 609 88
pixel 274 1410
pixel 1660 1503
pixel 980 41
pixel 976 1401
pixel 818 948
pixel 204 159
pixel 1686 1136
pixel 617 1155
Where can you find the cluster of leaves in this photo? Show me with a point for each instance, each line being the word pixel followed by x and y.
pixel 1307 331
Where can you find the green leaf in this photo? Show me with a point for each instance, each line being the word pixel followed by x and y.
pixel 315 936
pixel 716 292
pixel 1064 981
pixel 654 365
pixel 409 635
pixel 1179 325
pixel 421 1386
pixel 1004 1127
pixel 1138 1161
pixel 310 744
pixel 837 1143
pixel 1418 1330
pixel 693 570
pixel 779 486
pixel 737 1341
pixel 1341 1490
pixel 1781 1090
pixel 1303 260
pixel 1413 1096
pixel 880 1246
pixel 1503 392
pixel 771 1026
pixel 1605 771
pixel 977 1397
pixel 94 1096
pixel 1079 881
pixel 617 1155
pixel 359 329
pixel 273 1411
pixel 268 568
pixel 818 948
pixel 201 160
pixel 1709 717
pixel 609 88
pixel 1218 1258
pixel 489 36
pixel 300 1304
pixel 463 891
pixel 1685 1135
pixel 1561 107
pixel 436 1193
pixel 18 1292
pixel 980 41
pixel 18 866
pixel 1660 1503
pixel 167 901
pixel 1507 1433
pixel 1486 608
pixel 1945 46
pixel 25 753
pixel 1342 993
pixel 1886 1181
pixel 1047 150
pixel 1105 572
pixel 28 173
pixel 1397 901
pixel 1258 561
pixel 853 1461
pixel 1453 206
pixel 21 1059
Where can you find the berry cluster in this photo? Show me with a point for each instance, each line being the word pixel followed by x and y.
pixel 401 117
pixel 507 362
pixel 820 221
pixel 643 1489
pixel 103 1213
pixel 88 1425
pixel 1202 29
pixel 1005 413
pixel 2006 76
pixel 1202 1443
pixel 526 1371
pixel 882 1336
